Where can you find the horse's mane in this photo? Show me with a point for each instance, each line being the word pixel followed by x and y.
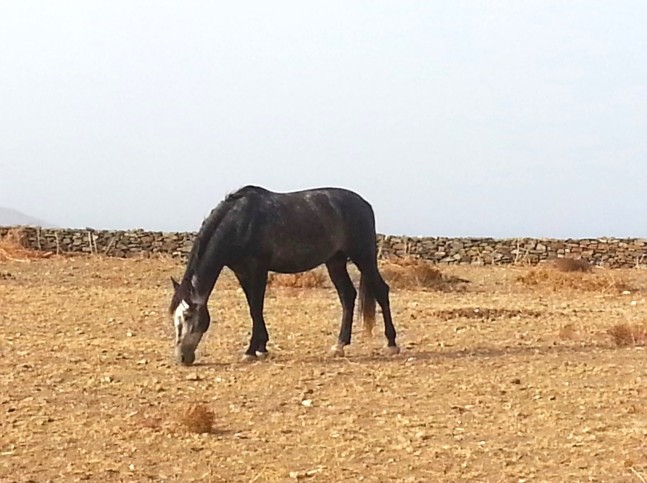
pixel 209 226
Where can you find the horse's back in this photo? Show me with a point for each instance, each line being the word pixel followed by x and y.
pixel 302 229
pixel 334 208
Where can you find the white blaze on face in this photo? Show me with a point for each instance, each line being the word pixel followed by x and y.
pixel 179 318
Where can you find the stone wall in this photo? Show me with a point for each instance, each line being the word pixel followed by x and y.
pixel 126 244
pixel 605 252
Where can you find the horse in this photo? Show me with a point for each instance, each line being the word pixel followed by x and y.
pixel 254 231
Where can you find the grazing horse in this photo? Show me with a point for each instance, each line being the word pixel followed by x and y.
pixel 254 231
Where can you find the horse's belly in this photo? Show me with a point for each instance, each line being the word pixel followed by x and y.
pixel 299 259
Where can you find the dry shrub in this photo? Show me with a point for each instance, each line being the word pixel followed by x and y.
pixel 625 335
pixel 316 278
pixel 198 419
pixel 554 280
pixel 572 265
pixel 12 248
pixel 416 274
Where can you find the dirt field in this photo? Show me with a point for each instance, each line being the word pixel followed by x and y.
pixel 502 381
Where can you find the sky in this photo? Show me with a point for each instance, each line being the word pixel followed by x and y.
pixel 452 118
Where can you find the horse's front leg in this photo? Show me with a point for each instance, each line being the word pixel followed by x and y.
pixel 258 341
pixel 254 284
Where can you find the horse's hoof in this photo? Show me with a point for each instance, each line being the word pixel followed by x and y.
pixel 249 358
pixel 336 351
pixel 392 350
pixel 262 355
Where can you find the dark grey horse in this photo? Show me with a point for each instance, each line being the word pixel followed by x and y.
pixel 254 231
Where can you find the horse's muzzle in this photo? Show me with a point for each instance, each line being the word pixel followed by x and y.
pixel 186 359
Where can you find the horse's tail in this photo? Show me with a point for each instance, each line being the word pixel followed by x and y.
pixel 367 304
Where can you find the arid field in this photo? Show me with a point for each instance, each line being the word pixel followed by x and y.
pixel 519 374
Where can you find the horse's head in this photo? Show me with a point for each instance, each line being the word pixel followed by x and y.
pixel 191 320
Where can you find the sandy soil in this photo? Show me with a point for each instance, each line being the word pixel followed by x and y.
pixel 499 382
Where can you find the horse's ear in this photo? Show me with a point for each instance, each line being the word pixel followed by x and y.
pixel 175 284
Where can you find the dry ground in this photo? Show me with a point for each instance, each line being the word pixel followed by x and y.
pixel 500 381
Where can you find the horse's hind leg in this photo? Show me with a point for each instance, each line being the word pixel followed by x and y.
pixel 380 289
pixel 382 297
pixel 347 295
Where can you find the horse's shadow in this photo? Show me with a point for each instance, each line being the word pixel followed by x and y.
pixel 415 354
pixel 208 364
pixel 411 355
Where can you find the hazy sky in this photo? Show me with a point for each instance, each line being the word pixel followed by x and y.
pixel 453 118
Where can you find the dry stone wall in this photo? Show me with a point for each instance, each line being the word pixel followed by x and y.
pixel 605 252
pixel 120 243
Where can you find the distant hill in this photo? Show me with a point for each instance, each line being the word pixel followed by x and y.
pixel 10 217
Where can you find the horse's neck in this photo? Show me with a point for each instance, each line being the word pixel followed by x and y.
pixel 205 278
pixel 212 261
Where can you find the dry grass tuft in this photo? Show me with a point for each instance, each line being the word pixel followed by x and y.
pixel 198 419
pixel 416 274
pixel 12 248
pixel 572 265
pixel 625 335
pixel 316 278
pixel 554 280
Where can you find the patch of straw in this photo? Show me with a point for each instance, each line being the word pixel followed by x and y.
pixel 484 313
pixel 316 278
pixel 568 332
pixel 556 280
pixel 571 265
pixel 626 335
pixel 416 274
